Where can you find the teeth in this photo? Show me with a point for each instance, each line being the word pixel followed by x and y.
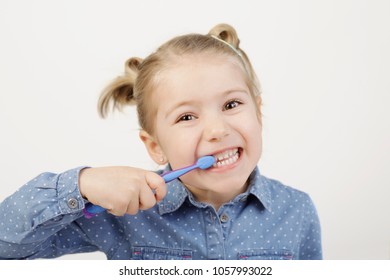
pixel 226 157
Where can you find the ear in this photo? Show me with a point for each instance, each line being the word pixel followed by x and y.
pixel 258 103
pixel 153 147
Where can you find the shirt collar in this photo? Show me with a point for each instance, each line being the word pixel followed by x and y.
pixel 260 187
pixel 178 193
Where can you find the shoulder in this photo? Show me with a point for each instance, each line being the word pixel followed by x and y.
pixel 278 188
pixel 282 194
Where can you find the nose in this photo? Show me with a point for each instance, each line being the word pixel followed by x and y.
pixel 215 129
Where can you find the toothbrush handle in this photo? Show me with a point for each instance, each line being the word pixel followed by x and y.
pixel 91 210
pixel 174 174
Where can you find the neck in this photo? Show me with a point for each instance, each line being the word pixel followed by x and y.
pixel 215 199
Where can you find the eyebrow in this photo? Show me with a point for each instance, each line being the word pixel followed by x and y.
pixel 178 105
pixel 191 102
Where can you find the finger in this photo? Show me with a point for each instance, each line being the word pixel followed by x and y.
pixel 147 198
pixel 132 207
pixel 125 202
pixel 119 206
pixel 117 211
pixel 157 184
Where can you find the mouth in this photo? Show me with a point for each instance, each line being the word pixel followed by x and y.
pixel 227 157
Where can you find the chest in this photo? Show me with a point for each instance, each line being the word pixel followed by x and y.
pixel 232 233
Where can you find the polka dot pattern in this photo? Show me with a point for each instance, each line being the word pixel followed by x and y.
pixel 43 219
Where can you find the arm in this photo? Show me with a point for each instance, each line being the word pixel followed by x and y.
pixel 311 244
pixel 42 218
pixel 33 218
pixel 122 190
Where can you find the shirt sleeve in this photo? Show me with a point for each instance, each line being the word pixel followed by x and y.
pixel 311 244
pixel 37 220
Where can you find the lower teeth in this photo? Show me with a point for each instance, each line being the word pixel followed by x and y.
pixel 227 161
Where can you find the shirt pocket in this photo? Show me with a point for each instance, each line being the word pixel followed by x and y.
pixel 265 254
pixel 156 253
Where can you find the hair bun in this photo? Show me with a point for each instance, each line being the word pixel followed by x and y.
pixel 132 65
pixel 120 92
pixel 227 33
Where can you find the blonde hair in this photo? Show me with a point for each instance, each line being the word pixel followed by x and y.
pixel 141 76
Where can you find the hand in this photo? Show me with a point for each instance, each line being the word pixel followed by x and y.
pixel 122 190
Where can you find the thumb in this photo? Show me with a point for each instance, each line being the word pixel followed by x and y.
pixel 156 184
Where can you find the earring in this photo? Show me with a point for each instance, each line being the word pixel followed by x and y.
pixel 162 159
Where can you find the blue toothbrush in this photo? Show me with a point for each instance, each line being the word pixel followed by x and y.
pixel 203 163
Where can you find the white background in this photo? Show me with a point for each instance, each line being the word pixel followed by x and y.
pixel 324 69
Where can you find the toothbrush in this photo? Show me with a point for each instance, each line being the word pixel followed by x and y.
pixel 203 163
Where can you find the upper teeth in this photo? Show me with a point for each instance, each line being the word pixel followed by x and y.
pixel 226 154
pixel 226 157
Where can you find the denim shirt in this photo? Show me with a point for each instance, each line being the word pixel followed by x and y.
pixel 44 219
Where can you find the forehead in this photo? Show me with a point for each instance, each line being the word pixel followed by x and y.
pixel 200 73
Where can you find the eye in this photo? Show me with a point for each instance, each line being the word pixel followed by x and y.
pixel 185 118
pixel 231 104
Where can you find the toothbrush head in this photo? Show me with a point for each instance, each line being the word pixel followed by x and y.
pixel 205 162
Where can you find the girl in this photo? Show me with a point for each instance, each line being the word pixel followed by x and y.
pixel 196 95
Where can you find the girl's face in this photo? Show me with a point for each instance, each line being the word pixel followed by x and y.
pixel 204 107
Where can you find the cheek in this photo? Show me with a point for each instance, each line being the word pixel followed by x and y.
pixel 251 130
pixel 249 123
pixel 179 147
pixel 257 134
pixel 258 141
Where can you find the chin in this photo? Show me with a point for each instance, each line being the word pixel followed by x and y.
pixel 233 185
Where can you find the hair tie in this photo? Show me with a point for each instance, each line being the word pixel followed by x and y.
pixel 228 44
pixel 233 49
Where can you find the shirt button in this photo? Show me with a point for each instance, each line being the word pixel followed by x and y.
pixel 224 218
pixel 73 203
